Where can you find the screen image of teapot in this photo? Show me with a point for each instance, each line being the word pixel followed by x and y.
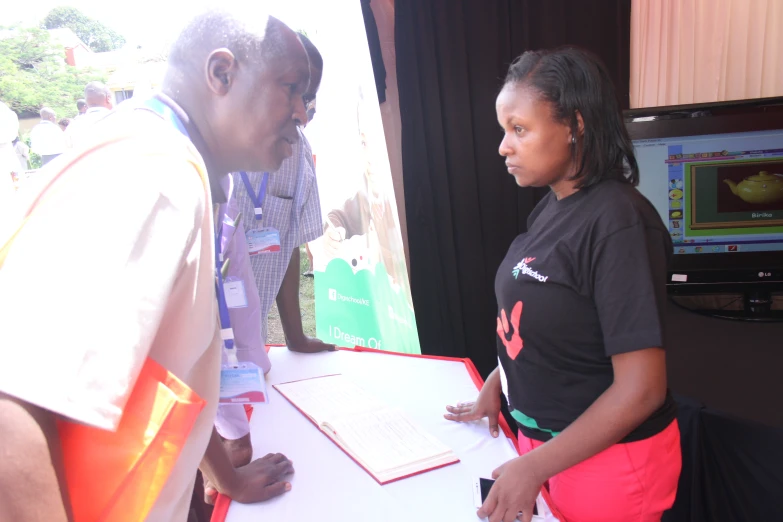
pixel 760 189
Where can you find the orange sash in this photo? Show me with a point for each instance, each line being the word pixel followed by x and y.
pixel 117 476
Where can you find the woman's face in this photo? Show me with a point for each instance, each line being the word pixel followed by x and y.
pixel 536 147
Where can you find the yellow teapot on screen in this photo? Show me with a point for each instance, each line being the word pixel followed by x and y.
pixel 762 188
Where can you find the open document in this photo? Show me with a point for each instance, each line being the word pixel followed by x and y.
pixel 383 440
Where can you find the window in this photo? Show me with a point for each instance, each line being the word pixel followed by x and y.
pixel 122 95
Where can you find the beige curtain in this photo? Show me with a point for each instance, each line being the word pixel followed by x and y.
pixel 696 51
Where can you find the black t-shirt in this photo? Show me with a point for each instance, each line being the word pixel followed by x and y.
pixel 586 282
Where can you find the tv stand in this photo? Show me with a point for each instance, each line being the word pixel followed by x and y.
pixel 757 308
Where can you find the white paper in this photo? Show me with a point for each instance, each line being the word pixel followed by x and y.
pixel 387 440
pixel 329 398
pixel 235 294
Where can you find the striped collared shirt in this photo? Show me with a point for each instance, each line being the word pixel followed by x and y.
pixel 291 205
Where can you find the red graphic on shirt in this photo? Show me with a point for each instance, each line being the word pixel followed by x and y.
pixel 513 345
pixel 528 260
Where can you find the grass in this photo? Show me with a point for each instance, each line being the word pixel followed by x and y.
pixel 275 333
pixel 306 296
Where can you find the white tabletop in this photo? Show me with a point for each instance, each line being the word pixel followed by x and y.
pixel 329 486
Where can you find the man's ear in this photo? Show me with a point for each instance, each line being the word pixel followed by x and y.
pixel 221 71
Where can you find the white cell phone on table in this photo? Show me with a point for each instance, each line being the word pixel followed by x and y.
pixel 481 487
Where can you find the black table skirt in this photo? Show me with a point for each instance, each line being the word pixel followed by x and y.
pixel 732 468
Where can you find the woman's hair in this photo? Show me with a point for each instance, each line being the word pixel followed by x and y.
pixel 572 80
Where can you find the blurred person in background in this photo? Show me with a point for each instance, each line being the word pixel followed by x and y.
pixel 22 153
pixel 9 163
pixel 100 102
pixel 47 138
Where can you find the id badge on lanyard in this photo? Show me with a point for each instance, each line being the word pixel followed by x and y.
pixel 240 382
pixel 260 240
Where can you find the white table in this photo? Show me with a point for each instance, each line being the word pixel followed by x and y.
pixel 329 486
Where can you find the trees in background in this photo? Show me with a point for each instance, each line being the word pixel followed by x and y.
pixel 93 33
pixel 33 74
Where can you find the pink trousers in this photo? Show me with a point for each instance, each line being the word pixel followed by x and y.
pixel 631 482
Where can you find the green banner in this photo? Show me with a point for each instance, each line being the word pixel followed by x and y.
pixel 362 290
pixel 363 309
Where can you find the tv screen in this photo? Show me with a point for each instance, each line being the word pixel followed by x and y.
pixel 715 174
pixel 718 193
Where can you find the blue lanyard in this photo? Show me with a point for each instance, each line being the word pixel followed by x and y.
pixel 226 332
pixel 257 199
pixel 168 114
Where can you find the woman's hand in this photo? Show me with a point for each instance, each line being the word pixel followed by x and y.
pixel 333 240
pixel 487 405
pixel 515 491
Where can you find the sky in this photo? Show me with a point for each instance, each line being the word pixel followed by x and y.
pixel 155 23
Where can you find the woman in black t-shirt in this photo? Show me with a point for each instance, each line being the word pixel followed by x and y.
pixel 580 308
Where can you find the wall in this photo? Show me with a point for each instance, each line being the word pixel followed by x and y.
pixel 79 55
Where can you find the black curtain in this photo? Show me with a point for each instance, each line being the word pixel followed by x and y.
pixel 376 56
pixel 463 209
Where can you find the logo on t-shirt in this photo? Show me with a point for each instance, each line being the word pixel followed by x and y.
pixel 524 268
pixel 505 326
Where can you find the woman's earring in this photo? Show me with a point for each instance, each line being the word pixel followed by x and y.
pixel 573 140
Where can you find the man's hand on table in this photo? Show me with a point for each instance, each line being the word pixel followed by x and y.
pixel 258 481
pixel 240 452
pixel 310 345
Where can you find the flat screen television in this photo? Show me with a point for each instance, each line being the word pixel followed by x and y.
pixel 714 172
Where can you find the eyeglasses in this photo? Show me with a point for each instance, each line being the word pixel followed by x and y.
pixel 309 104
